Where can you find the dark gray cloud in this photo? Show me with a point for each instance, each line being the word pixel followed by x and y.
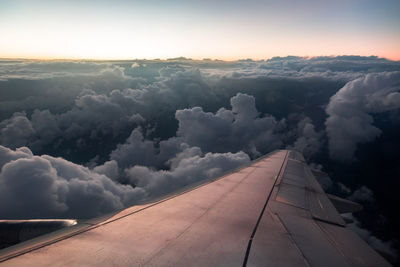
pixel 384 247
pixel 308 140
pixel 93 115
pixel 36 69
pixel 342 67
pixel 27 92
pixel 16 131
pixel 137 150
pixel 362 194
pixel 44 186
pixel 350 121
pixel 189 166
pixel 230 130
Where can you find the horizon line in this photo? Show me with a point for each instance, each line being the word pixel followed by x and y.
pixel 188 58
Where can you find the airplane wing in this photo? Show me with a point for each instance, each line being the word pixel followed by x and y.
pixel 272 212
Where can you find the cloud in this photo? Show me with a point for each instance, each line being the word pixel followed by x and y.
pixel 109 168
pixel 350 121
pixel 60 188
pixel 138 151
pixel 94 115
pixel 384 247
pixel 98 116
pixel 229 130
pixel 27 91
pixel 345 68
pixel 16 131
pixel 362 194
pixel 33 70
pixel 341 68
pixel 94 99
pixel 47 187
pixel 190 166
pixel 308 141
pixel 239 129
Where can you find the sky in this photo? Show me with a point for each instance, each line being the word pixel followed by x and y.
pixel 224 29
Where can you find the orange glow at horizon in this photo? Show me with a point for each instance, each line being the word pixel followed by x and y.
pixel 108 45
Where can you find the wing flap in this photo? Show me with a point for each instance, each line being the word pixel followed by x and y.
pixel 352 247
pixel 313 243
pixel 344 205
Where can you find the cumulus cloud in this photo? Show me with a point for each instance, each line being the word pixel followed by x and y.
pixel 16 131
pixel 190 166
pixel 47 187
pixel 384 247
pixel 109 168
pixel 28 89
pixel 350 121
pixel 137 150
pixel 151 167
pixel 308 140
pixel 362 194
pixel 87 99
pixel 93 115
pixel 229 130
pixel 239 129
pixel 97 115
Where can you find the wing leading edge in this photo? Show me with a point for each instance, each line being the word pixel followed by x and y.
pixel 272 212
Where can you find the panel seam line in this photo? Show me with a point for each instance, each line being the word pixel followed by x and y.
pixel 262 213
